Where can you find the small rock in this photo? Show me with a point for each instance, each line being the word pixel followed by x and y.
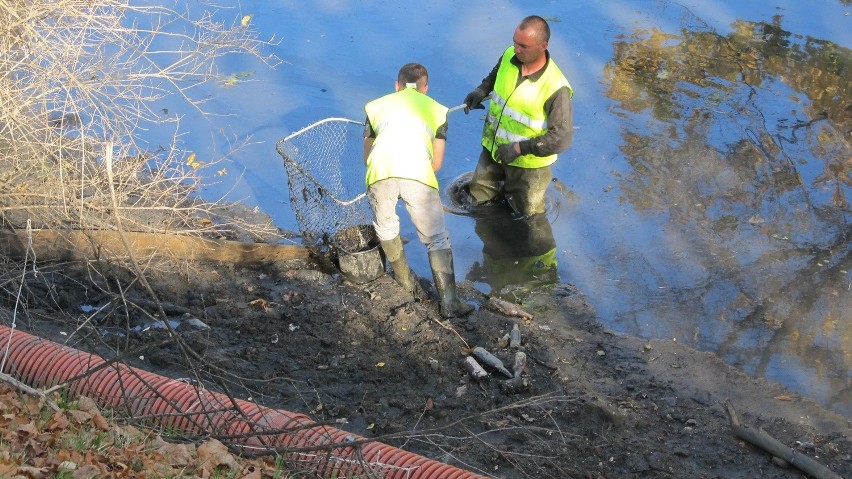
pixel 756 220
pixel 309 276
pixel 188 322
pixel 804 444
pixel 470 324
pixel 515 386
pixel 433 363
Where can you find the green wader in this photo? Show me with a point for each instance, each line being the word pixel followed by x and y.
pixel 441 262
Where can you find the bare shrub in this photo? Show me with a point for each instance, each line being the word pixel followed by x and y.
pixel 76 76
pixel 79 84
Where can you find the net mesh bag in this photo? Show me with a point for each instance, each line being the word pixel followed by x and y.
pixel 325 175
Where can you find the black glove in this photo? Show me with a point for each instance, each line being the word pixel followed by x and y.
pixel 506 153
pixel 473 100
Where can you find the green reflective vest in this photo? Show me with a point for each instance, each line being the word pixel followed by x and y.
pixel 531 272
pixel 405 123
pixel 517 113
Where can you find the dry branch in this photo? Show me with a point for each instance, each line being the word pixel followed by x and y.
pixel 78 82
pixel 27 389
pixel 77 76
pixel 763 440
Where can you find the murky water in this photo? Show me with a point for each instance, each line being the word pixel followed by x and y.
pixel 705 198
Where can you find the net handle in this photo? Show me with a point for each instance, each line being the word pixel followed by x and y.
pixel 456 108
pixel 345 120
pixel 459 107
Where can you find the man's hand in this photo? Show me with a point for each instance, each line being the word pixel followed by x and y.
pixel 507 153
pixel 473 100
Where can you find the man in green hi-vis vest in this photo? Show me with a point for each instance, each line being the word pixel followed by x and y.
pixel 529 121
pixel 404 142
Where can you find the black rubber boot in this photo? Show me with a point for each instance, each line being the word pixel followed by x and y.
pixel 396 256
pixel 444 275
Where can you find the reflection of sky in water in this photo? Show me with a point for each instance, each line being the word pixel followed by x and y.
pixel 701 230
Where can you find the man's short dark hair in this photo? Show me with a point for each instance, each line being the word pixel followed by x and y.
pixel 539 24
pixel 413 73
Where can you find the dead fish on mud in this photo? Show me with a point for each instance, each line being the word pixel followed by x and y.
pixel 490 360
pixel 507 309
pixel 474 369
pixel 515 337
pixel 518 383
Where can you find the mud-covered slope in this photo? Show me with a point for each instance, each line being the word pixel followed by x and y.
pixel 377 362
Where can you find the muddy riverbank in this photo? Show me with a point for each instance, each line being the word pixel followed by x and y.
pixel 377 362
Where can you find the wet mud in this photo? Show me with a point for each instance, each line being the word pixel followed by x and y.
pixel 583 401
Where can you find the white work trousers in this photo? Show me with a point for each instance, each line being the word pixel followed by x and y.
pixel 423 204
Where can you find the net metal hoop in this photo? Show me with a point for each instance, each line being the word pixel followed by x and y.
pixel 325 178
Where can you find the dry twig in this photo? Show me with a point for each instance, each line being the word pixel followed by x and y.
pixel 763 440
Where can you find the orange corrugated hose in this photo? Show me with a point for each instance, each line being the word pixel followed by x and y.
pixel 194 411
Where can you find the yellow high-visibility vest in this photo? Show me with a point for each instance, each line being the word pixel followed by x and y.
pixel 517 113
pixel 405 123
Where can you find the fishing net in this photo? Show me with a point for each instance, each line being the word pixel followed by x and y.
pixel 325 174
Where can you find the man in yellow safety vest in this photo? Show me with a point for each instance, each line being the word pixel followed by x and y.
pixel 529 121
pixel 404 142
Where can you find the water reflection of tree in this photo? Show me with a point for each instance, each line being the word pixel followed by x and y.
pixel 760 194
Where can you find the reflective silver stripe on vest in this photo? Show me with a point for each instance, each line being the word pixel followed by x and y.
pixel 518 116
pixel 513 138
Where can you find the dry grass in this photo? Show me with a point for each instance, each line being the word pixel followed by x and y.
pixel 78 84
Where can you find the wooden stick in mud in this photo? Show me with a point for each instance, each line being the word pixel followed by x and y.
pixel 64 245
pixel 763 440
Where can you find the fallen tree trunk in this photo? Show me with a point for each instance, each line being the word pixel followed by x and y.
pixel 763 440
pixel 76 245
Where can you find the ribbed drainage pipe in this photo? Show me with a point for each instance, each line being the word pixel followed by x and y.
pixel 182 407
